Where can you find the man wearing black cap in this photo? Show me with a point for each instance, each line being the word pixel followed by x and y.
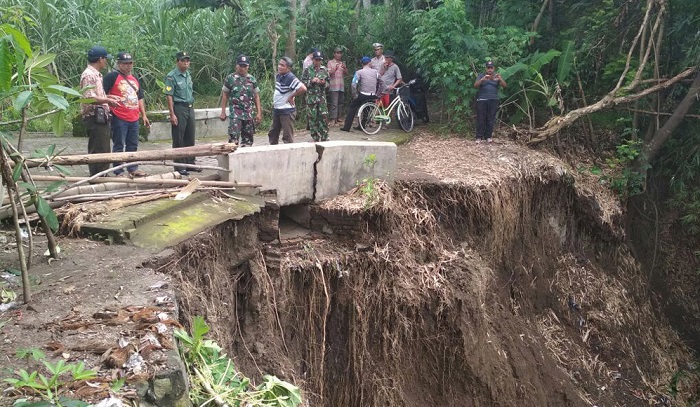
pixel 95 115
pixel 239 91
pixel 487 102
pixel 178 89
pixel 125 120
pixel 316 79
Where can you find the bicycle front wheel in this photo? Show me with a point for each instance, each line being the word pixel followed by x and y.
pixel 405 116
pixel 370 119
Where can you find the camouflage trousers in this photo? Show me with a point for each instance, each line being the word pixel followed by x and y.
pixel 318 116
pixel 242 130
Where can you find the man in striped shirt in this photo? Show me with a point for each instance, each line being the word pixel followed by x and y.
pixel 287 87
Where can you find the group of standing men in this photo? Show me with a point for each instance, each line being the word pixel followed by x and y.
pixel 240 91
pixel 119 101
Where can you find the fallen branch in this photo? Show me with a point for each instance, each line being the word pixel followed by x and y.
pixel 557 123
pixel 156 155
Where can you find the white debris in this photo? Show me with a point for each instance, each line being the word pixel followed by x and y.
pixel 161 328
pixel 163 300
pixel 8 306
pixel 110 402
pixel 158 286
pixel 135 364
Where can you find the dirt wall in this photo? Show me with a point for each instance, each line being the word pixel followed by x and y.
pixel 520 294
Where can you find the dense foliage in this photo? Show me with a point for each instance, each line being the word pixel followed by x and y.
pixel 556 56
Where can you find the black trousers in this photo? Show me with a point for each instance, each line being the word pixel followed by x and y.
pixel 183 133
pixel 485 117
pixel 99 141
pixel 354 107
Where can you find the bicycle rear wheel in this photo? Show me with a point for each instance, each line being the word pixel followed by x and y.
pixel 405 116
pixel 369 118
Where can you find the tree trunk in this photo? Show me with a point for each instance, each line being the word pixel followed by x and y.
pixel 274 41
pixel 291 47
pixel 536 24
pixel 81 159
pixel 664 133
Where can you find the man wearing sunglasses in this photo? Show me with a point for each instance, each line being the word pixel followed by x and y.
pixel 125 123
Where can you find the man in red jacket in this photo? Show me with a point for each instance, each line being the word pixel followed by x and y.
pixel 125 120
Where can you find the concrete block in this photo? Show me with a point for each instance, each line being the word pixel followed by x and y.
pixel 207 125
pixel 343 164
pixel 287 168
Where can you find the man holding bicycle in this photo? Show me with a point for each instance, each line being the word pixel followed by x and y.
pixel 368 83
pixel 391 78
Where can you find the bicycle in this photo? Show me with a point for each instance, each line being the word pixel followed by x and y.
pixel 373 115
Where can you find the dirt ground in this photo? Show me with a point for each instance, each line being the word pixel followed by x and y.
pixel 89 303
pixel 98 298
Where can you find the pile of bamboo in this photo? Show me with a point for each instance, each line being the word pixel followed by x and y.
pixel 100 187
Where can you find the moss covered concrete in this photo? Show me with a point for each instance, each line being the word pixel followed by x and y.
pixel 166 222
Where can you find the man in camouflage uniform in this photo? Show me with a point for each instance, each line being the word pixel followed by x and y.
pixel 316 79
pixel 239 91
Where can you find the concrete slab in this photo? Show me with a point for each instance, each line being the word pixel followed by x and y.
pixel 343 164
pixel 166 222
pixel 207 125
pixel 286 168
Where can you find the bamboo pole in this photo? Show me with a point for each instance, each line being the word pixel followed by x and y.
pixel 142 181
pixel 155 155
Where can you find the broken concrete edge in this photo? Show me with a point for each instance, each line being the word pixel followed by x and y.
pixel 310 172
pixel 343 165
pixel 171 386
pixel 116 232
pixel 174 227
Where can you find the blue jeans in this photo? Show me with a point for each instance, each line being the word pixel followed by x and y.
pixel 125 137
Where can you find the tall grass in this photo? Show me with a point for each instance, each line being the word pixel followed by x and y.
pixel 146 28
pixel 153 32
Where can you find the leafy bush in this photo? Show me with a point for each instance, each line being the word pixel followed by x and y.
pixel 447 46
pixel 51 382
pixel 216 381
pixel 622 174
